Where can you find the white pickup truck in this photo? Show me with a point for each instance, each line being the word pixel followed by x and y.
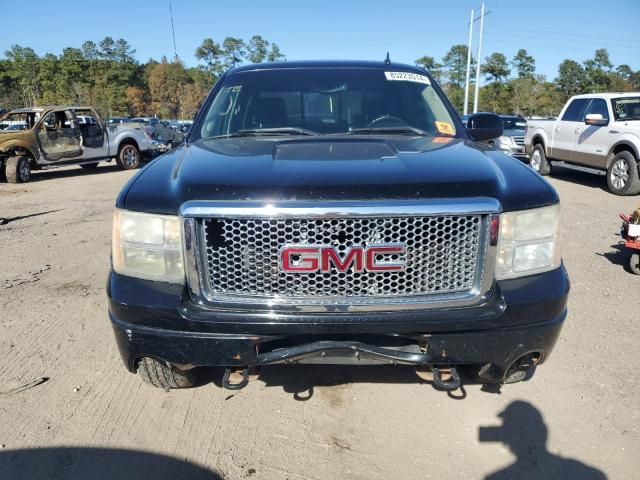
pixel 599 133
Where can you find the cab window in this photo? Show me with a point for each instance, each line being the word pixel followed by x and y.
pixel 575 110
pixel 597 106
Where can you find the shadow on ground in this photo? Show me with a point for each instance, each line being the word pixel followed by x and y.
pixel 524 432
pixel 619 255
pixel 73 171
pixel 71 463
pixel 581 178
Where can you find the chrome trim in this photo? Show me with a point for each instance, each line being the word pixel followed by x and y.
pixel 195 246
pixel 265 209
pixel 191 257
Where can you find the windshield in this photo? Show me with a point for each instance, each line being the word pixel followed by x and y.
pixel 327 101
pixel 514 123
pixel 626 108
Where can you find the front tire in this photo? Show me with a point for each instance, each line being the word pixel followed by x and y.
pixel 164 375
pixel 622 175
pixel 538 160
pixel 18 169
pixel 128 156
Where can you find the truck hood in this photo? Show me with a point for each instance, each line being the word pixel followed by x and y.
pixel 333 168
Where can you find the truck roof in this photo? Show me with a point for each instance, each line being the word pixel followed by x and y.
pixel 608 95
pixel 327 64
pixel 46 108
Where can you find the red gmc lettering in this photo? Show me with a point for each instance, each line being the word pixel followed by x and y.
pixel 312 258
pixel 374 266
pixel 353 255
pixel 308 262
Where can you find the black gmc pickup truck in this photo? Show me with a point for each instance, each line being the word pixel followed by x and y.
pixel 336 212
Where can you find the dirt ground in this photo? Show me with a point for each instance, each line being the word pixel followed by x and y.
pixel 579 417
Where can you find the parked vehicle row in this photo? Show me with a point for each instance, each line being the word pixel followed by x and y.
pixel 69 135
pixel 511 141
pixel 599 133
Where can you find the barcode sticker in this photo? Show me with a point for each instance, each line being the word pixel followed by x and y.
pixel 407 77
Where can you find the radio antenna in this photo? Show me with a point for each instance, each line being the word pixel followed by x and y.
pixel 173 32
pixel 387 61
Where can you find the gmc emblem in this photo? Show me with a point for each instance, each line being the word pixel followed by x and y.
pixel 322 258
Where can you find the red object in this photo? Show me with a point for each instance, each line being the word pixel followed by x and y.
pixel 629 242
pixel 314 258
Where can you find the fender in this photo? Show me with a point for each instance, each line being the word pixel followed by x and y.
pixel 631 142
pixel 18 144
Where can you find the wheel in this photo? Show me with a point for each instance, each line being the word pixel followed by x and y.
pixel 128 156
pixel 538 161
pixel 164 375
pixel 622 175
pixel 89 166
pixel 634 263
pixel 18 169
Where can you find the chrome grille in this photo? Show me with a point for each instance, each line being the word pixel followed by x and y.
pixel 241 256
pixel 519 140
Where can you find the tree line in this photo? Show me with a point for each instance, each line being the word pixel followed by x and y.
pixel 512 85
pixel 107 75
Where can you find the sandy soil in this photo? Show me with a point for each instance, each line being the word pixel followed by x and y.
pixel 579 417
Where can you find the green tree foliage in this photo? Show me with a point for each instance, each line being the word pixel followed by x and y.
pixel 597 72
pixel 257 49
pixel 107 75
pixel 275 54
pixel 571 78
pixel 234 50
pixel 211 53
pixel 430 64
pixel 495 67
pixel 524 64
pixel 455 65
pixel 528 93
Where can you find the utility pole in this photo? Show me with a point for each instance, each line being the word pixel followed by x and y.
pixel 478 60
pixel 466 83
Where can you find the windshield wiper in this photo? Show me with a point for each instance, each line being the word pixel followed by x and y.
pixel 249 132
pixel 392 130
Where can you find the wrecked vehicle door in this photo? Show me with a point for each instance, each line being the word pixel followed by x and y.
pixel 59 136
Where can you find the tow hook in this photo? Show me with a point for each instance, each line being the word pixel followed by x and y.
pixel 244 378
pixel 452 383
pixel 445 378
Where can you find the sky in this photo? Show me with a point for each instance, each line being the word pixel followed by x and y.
pixel 551 31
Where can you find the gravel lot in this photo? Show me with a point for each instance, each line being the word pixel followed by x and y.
pixel 578 418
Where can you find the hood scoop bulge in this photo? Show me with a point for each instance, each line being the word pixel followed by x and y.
pixel 334 149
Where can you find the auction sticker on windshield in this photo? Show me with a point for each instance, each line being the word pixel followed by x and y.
pixel 407 77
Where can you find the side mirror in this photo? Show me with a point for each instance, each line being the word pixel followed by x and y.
pixel 596 119
pixel 484 126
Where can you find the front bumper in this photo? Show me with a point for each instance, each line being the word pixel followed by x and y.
pixel 158 148
pixel 517 151
pixel 158 320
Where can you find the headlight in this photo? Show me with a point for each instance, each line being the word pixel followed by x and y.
pixel 529 242
pixel 147 246
pixel 505 142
